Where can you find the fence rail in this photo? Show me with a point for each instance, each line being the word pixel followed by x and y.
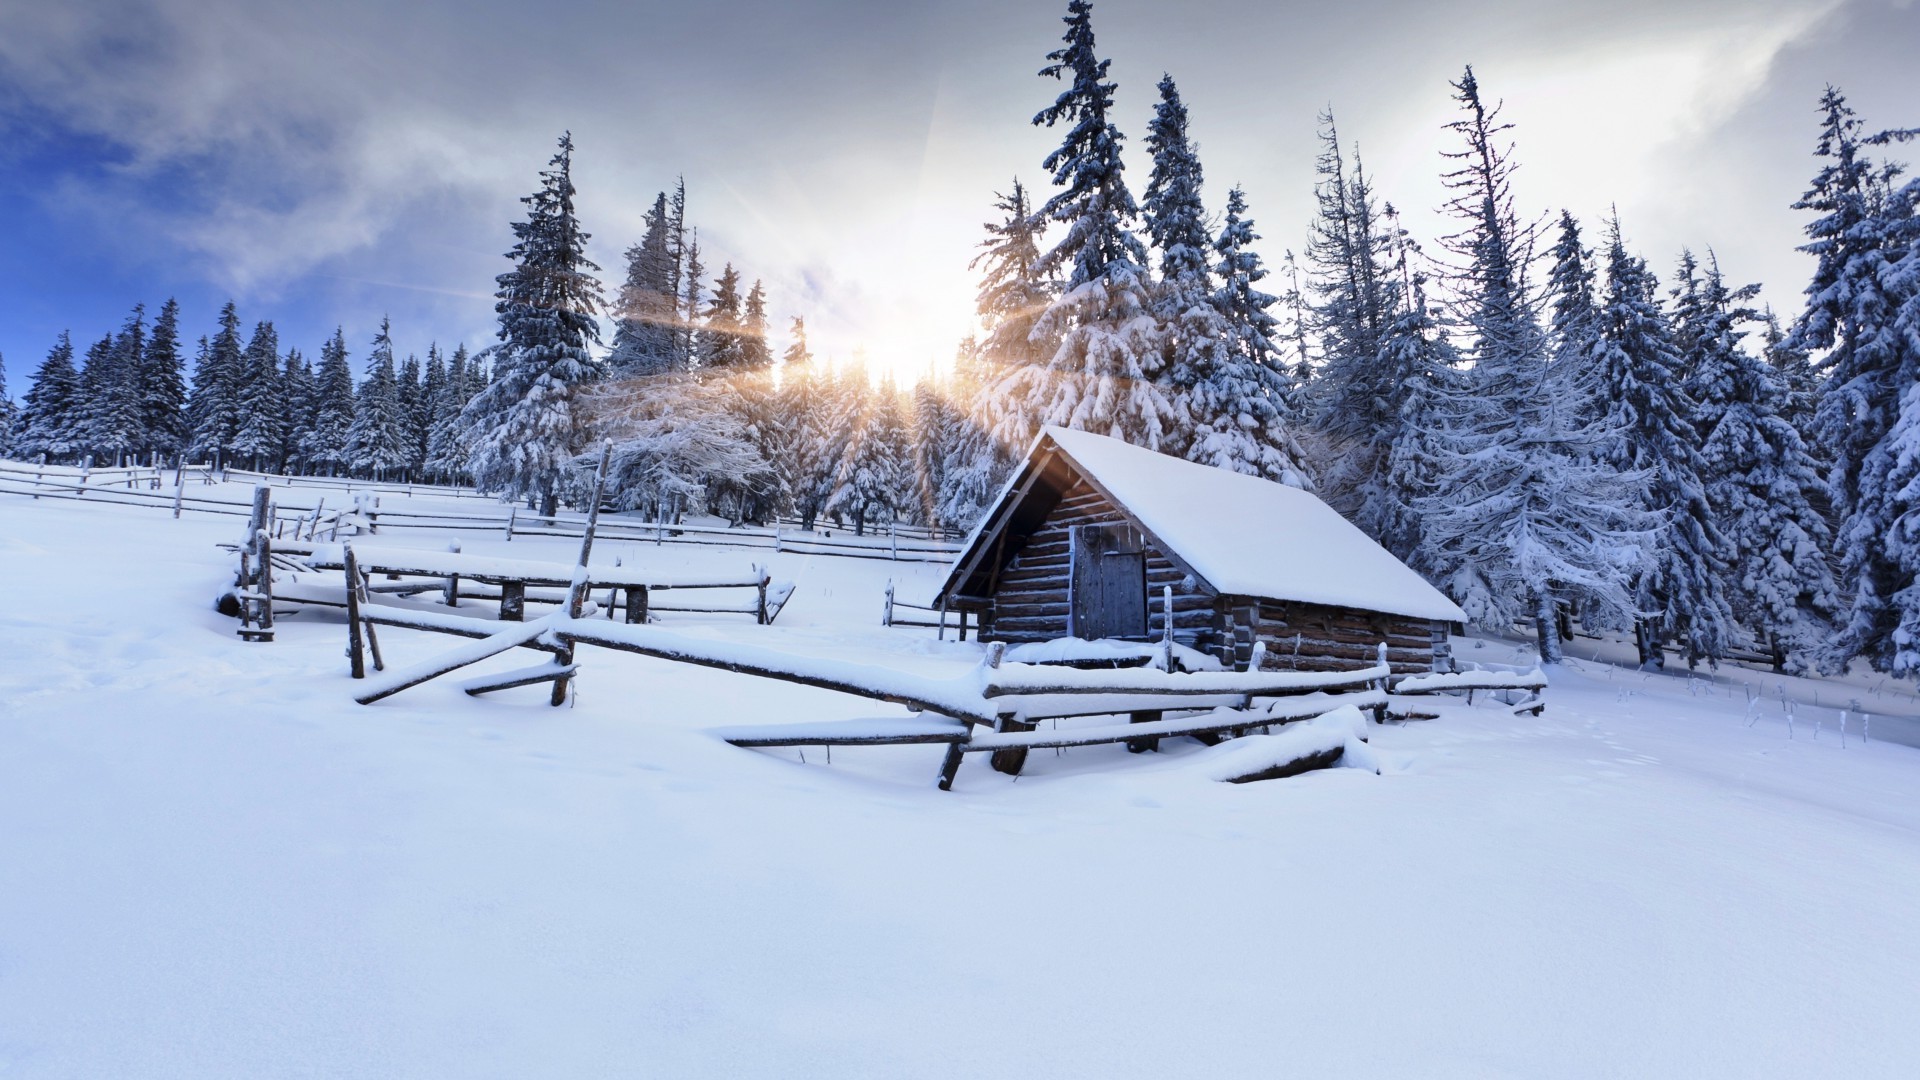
pixel 359 507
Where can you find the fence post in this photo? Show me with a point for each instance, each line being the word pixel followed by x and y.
pixel 356 660
pixel 893 542
pixel 513 511
pixel 760 611
pixel 453 580
pixel 179 485
pixel 1166 628
pixel 577 592
pixel 886 614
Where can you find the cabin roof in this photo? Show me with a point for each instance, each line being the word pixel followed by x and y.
pixel 1238 535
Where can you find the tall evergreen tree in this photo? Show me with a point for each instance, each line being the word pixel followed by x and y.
pixel 1104 375
pixel 646 311
pixel 1639 368
pixel 1013 294
pixel 1521 518
pixel 9 413
pixel 527 427
pixel 755 352
pixel 110 392
pixel 50 421
pixel 1763 486
pixel 817 432
pixel 262 400
pixel 411 395
pixel 721 340
pixel 163 391
pixel 219 374
pixel 1242 399
pixel 1188 327
pixel 327 445
pixel 1851 317
pixel 446 446
pixel 872 480
pixel 377 442
pixel 300 395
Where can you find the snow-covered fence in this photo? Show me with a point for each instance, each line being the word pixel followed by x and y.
pixel 1532 683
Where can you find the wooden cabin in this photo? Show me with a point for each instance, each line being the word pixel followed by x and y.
pixel 1089 531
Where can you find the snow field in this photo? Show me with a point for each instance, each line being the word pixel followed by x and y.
pixel 214 864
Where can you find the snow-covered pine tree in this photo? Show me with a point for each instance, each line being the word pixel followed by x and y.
pixel 526 426
pixel 1355 402
pixel 684 280
pixel 1188 329
pixel 1104 374
pixel 297 384
pixel 1574 320
pixel 219 374
pixel 934 440
pixel 327 445
pixel 1851 318
pixel 110 392
pixel 163 392
pixel 446 446
pixel 871 482
pixel 50 420
pixel 1013 294
pixel 1521 517
pixel 646 311
pixel 9 413
pixel 978 464
pixel 262 400
pixel 1243 403
pixel 1799 385
pixel 692 271
pixel 721 345
pixel 428 408
pixel 1638 367
pixel 1426 370
pixel 377 444
pixel 411 396
pixel 811 406
pixel 1763 486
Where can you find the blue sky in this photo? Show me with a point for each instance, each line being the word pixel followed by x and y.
pixel 331 164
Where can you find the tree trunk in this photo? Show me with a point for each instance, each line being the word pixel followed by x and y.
pixel 1546 628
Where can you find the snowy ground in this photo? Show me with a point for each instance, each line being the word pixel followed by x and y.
pixel 214 864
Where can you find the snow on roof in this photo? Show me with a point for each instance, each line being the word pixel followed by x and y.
pixel 1252 537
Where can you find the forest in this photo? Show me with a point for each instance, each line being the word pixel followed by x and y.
pixel 1527 413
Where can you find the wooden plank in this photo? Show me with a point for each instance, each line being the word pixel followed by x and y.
pixel 507 680
pixel 512 637
pixel 1323 759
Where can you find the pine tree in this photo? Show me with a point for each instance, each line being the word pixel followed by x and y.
pixel 110 392
pixel 262 399
pixel 755 353
pixel 1852 316
pixel 9 413
pixel 1188 329
pixel 1639 368
pixel 429 406
pixel 809 402
pixel 1573 330
pixel 646 313
pixel 300 395
pixel 1521 518
pixel 1763 486
pixel 219 373
pixel 327 445
pixel 163 392
pixel 411 397
pixel 1356 400
pixel 721 341
pixel 691 273
pixel 527 426
pixel 446 445
pixel 377 442
pixel 49 422
pixel 684 251
pixel 870 482
pixel 1013 294
pixel 1104 375
pixel 1243 401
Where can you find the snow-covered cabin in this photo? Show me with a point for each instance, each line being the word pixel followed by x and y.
pixel 1088 531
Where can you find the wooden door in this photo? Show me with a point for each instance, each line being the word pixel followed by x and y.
pixel 1107 594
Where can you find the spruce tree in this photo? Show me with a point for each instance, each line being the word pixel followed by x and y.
pixel 646 312
pixel 163 391
pixel 527 427
pixel 446 446
pixel 110 392
pixel 327 445
pixel 1851 317
pixel 411 397
pixel 429 406
pixel 721 344
pixel 1105 374
pixel 1521 518
pixel 219 373
pixel 1013 294
pixel 262 400
pixel 50 420
pixel 870 482
pixel 9 413
pixel 377 442
pixel 755 352
pixel 301 402
pixel 1242 398
pixel 1762 484
pixel 1639 369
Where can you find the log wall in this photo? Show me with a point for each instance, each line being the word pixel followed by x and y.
pixel 1314 637
pixel 1030 602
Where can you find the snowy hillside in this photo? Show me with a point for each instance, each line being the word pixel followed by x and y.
pixel 214 864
